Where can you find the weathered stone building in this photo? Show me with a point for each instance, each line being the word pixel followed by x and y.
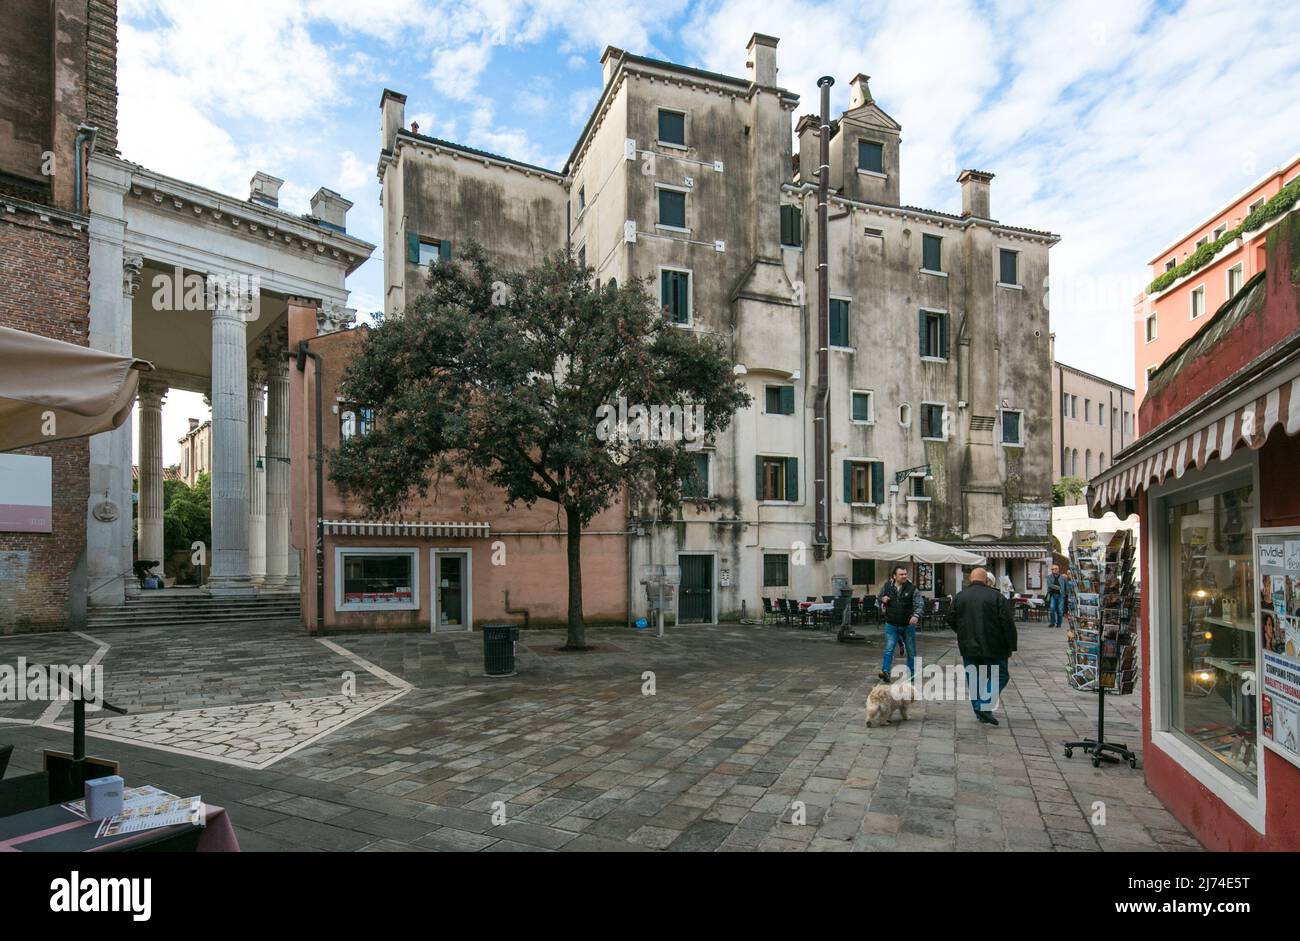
pixel 937 380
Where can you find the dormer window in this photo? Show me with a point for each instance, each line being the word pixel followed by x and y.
pixel 871 156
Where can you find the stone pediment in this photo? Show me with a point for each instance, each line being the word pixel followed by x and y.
pixel 871 115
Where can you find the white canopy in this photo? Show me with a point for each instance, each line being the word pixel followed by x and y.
pixel 919 550
pixel 50 390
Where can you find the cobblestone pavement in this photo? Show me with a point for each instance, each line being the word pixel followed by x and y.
pixel 747 726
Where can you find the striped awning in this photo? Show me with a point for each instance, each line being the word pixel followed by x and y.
pixel 1000 550
pixel 1217 434
pixel 378 528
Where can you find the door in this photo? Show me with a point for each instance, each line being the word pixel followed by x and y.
pixel 451 587
pixel 695 594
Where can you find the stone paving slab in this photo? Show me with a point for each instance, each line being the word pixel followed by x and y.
pixel 753 739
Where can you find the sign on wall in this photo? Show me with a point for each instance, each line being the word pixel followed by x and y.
pixel 1277 632
pixel 26 489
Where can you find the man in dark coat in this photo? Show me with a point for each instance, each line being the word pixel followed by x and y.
pixel 986 637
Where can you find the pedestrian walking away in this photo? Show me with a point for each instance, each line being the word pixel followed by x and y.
pixel 1055 597
pixel 903 606
pixel 986 636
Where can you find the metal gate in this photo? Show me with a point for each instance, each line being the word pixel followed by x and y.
pixel 695 596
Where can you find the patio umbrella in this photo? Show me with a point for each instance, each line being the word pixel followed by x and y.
pixel 919 550
pixel 51 390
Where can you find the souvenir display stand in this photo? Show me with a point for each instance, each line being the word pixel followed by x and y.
pixel 1102 652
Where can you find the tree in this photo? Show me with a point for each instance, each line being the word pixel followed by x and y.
pixel 522 380
pixel 1066 490
pixel 187 514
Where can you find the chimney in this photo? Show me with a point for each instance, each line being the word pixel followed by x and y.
pixel 331 209
pixel 860 92
pixel 609 61
pixel 975 193
pixel 392 110
pixel 762 59
pixel 808 131
pixel 194 423
pixel 265 190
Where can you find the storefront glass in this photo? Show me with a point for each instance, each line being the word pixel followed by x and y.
pixel 378 578
pixel 1212 624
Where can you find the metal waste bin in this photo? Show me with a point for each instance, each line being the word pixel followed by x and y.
pixel 499 649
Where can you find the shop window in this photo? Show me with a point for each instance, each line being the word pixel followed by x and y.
pixel 776 570
pixel 376 579
pixel 1211 624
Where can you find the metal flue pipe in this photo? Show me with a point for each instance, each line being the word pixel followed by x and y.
pixel 821 403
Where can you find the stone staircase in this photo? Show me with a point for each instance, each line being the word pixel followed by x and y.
pixel 191 606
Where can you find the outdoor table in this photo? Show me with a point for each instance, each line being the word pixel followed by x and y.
pixel 55 830
pixel 813 607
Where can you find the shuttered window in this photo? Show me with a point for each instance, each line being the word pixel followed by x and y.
pixel 931 253
pixel 1008 266
pixel 779 400
pixel 421 250
pixel 777 478
pixel 934 334
pixel 871 156
pixel 672 208
pixel 791 226
pixel 839 325
pixel 672 127
pixel 864 482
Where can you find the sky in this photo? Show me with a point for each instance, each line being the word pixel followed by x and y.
pixel 1117 125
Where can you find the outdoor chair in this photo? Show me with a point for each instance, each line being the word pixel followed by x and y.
pixel 783 610
pixel 769 613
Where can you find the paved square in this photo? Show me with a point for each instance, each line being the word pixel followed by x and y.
pixel 733 737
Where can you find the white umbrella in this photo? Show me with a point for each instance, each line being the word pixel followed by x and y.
pixel 919 550
pixel 51 390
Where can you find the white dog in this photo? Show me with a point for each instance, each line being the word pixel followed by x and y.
pixel 884 698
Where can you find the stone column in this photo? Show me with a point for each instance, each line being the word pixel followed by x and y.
pixel 149 518
pixel 276 363
pixel 256 474
pixel 230 488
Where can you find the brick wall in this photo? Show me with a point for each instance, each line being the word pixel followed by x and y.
pixel 101 72
pixel 45 289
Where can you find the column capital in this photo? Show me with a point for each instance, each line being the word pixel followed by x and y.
pixel 272 351
pixel 332 316
pixel 150 393
pixel 131 266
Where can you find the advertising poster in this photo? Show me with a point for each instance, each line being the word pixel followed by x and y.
pixel 1277 623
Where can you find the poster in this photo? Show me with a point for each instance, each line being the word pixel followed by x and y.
pixel 1277 629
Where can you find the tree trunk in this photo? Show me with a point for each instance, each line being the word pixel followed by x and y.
pixel 577 630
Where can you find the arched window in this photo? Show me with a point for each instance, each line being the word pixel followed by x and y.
pixel 1074 463
pixel 1087 462
pixel 1101 462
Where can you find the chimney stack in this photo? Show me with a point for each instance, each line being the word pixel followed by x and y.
pixel 331 209
pixel 762 59
pixel 265 190
pixel 392 110
pixel 975 193
pixel 609 61
pixel 860 92
pixel 194 423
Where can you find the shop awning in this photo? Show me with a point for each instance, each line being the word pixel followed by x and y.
pixel 1214 428
pixel 919 550
pixel 51 390
pixel 1016 550
pixel 379 528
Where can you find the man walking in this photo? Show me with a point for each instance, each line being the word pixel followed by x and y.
pixel 1056 584
pixel 903 606
pixel 986 637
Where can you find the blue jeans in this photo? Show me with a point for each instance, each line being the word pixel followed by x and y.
pixel 1055 609
pixel 982 697
pixel 892 633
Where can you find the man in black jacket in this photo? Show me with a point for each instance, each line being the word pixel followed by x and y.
pixel 986 636
pixel 903 606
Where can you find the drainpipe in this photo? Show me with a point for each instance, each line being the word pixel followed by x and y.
pixel 821 406
pixel 319 458
pixel 84 133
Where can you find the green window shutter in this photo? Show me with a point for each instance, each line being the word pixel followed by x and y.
pixel 839 323
pixel 787 400
pixel 877 483
pixel 665 290
pixel 413 247
pixel 943 335
pixel 758 477
pixel 785 225
pixel 848 482
pixel 444 250
pixel 682 297
pixel 924 350
pixel 792 479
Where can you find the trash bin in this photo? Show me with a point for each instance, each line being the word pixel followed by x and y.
pixel 499 649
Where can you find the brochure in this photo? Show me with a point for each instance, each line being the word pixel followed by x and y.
pixel 153 816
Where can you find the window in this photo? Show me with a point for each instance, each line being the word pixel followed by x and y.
pixel 1203 240
pixel 776 570
pixel 839 326
pixel 932 421
pixel 1151 327
pixel 697 485
pixel 1012 431
pixel 355 420
pixel 1235 279
pixel 1128 423
pixel 871 156
pixel 864 482
pixel 1171 264
pixel 1198 302
pixel 582 256
pixel 675 294
pixel 672 127
pixel 1007 266
pixel 916 487
pixel 779 400
pixel 1209 556
pixel 1218 233
pixel 1257 204
pixel 1114 417
pixel 1074 462
pixel 1065 405
pixel 1101 415
pixel 861 407
pixel 1087 462
pixel 1101 462
pixel 934 334
pixel 374 579
pixel 672 208
pixel 582 198
pixel 1087 410
pixel 864 572
pixel 931 253
pixel 791 226
pixel 905 415
pixel 778 478
pixel 425 251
